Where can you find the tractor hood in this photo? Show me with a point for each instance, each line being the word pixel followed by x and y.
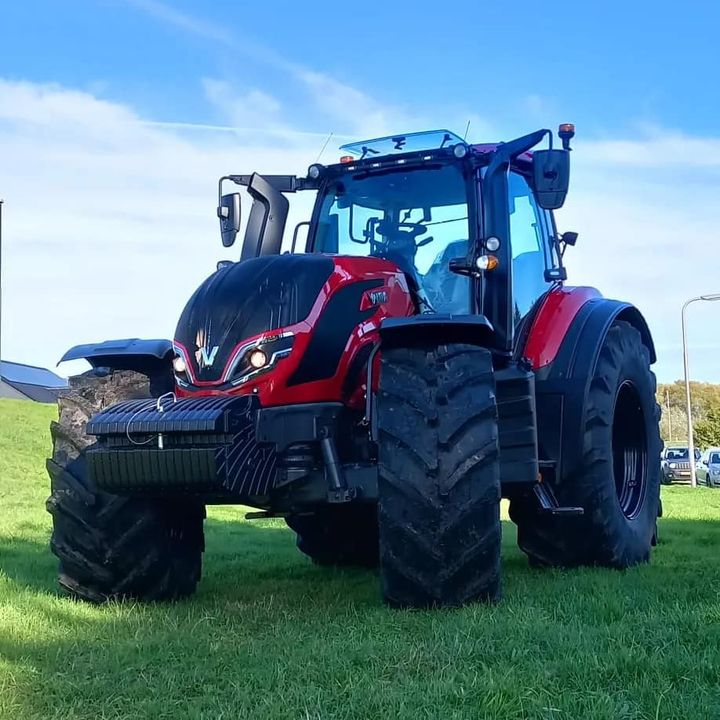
pixel 246 299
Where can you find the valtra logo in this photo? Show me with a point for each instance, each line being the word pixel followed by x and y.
pixel 205 355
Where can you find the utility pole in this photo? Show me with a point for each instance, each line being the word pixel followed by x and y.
pixel 1 221
pixel 688 409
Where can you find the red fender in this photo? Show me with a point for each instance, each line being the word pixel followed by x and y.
pixel 552 322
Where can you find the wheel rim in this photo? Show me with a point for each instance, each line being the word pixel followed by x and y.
pixel 629 443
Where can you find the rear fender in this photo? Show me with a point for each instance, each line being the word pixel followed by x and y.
pixel 562 386
pixel 435 329
pixel 152 358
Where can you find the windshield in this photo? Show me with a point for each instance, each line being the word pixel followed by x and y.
pixel 714 458
pixel 418 219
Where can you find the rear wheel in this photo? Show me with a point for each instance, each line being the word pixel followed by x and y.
pixel 438 479
pixel 341 535
pixel 618 480
pixel 110 546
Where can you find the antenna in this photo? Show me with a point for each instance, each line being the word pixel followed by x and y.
pixel 467 128
pixel 322 150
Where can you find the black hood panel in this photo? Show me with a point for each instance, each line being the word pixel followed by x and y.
pixel 246 299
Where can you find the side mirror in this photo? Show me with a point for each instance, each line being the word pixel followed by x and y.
pixel 551 177
pixel 229 213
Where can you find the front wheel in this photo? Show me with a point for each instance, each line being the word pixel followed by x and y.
pixel 617 481
pixel 110 546
pixel 438 477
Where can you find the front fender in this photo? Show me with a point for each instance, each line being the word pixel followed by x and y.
pixel 436 329
pixel 150 357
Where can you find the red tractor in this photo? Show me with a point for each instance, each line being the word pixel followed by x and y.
pixel 380 391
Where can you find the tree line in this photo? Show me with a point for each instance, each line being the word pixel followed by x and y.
pixel 705 404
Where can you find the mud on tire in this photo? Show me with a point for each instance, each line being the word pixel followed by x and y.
pixel 111 546
pixel 439 483
pixel 618 480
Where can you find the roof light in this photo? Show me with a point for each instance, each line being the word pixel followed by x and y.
pixel 315 171
pixel 345 159
pixel 566 131
pixel 460 150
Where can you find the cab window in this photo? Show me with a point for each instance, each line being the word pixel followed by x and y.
pixel 530 246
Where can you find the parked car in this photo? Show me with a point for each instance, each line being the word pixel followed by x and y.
pixel 675 464
pixel 708 468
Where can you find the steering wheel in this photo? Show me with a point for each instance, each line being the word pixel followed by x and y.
pixel 410 231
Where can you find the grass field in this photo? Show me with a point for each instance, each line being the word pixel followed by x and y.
pixel 271 636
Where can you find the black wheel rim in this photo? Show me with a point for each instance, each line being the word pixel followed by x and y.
pixel 629 446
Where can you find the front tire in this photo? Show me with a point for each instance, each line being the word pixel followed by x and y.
pixel 618 480
pixel 438 477
pixel 111 546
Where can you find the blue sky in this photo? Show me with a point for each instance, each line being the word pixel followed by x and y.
pixel 115 114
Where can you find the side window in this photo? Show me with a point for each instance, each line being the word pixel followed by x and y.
pixel 529 246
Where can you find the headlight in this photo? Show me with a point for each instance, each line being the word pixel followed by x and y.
pixel 179 365
pixel 672 466
pixel 715 471
pixel 258 359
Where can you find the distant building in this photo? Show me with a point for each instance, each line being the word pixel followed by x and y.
pixel 27 382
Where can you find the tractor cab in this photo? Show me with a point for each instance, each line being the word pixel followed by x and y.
pixel 469 226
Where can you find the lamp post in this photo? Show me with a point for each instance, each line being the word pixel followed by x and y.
pixel 688 409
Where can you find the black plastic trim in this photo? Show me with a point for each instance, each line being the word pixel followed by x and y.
pixel 436 328
pixel 124 354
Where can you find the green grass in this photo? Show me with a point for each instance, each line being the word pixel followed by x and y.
pixel 271 636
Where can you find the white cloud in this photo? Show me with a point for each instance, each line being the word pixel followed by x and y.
pixel 110 224
pixel 648 234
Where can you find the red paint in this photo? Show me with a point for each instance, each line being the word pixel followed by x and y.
pixel 553 321
pixel 272 388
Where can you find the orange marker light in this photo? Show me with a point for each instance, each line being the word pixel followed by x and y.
pixel 487 262
pixel 566 128
pixel 345 159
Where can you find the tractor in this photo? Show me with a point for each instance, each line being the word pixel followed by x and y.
pixel 380 389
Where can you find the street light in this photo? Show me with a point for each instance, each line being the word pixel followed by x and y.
pixel 691 444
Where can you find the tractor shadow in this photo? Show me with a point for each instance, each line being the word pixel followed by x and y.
pixel 257 562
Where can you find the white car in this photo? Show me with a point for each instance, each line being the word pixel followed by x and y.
pixel 708 468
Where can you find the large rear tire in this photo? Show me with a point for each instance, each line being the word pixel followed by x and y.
pixel 439 477
pixel 110 546
pixel 345 535
pixel 618 480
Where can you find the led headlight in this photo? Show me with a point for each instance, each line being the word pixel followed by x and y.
pixel 672 466
pixel 257 359
pixel 179 365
